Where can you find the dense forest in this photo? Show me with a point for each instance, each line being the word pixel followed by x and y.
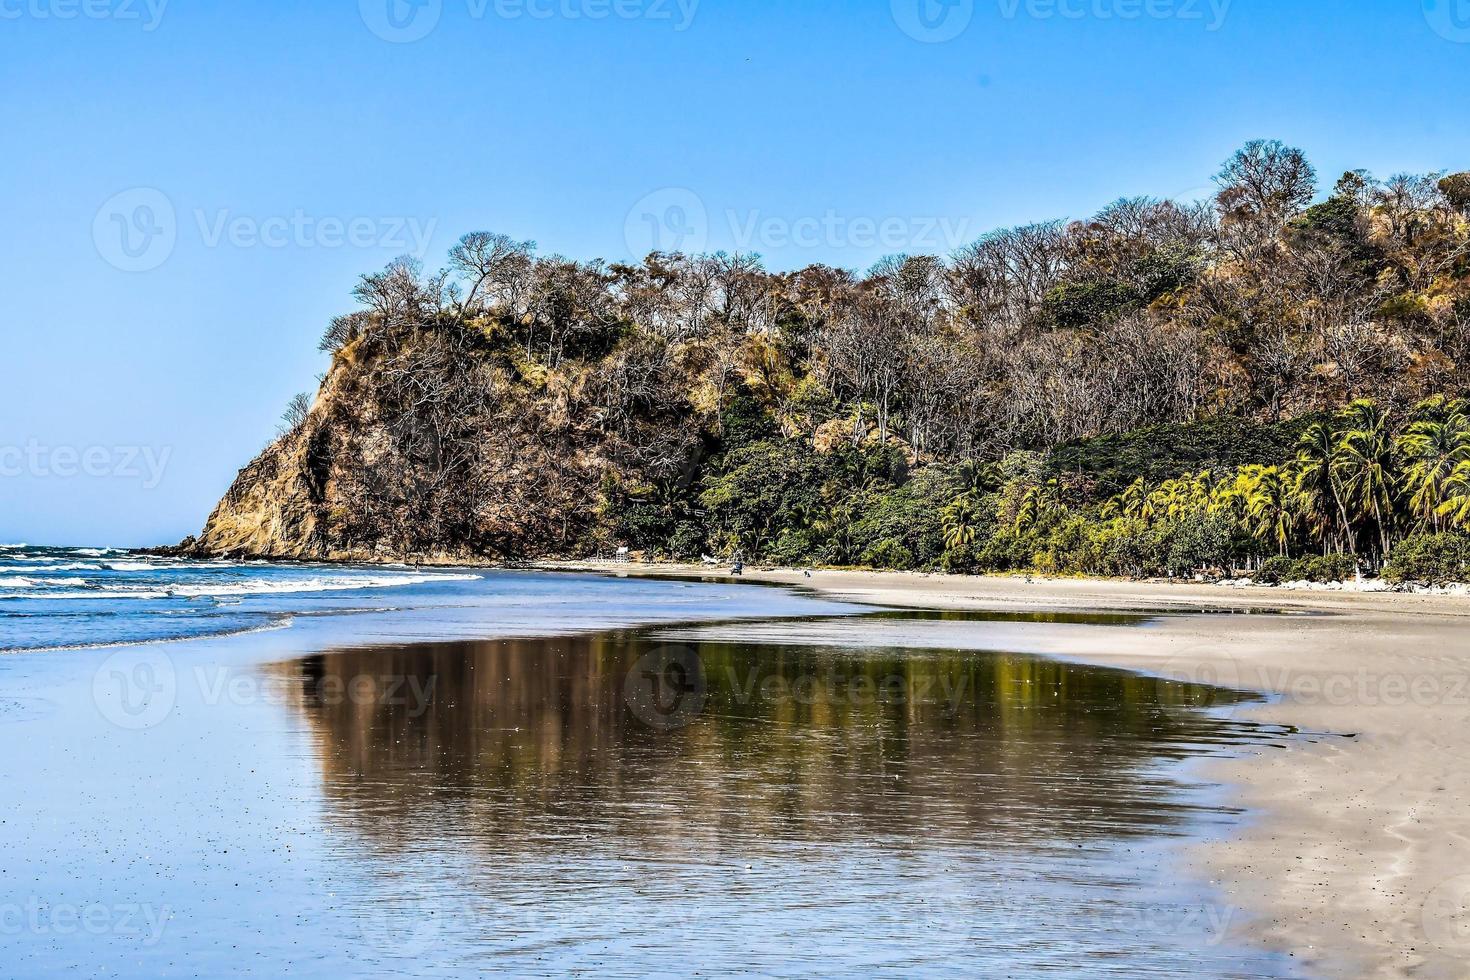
pixel 1269 379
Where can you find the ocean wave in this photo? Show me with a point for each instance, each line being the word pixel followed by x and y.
pixel 277 623
pixel 80 588
pixel 88 594
pixel 265 587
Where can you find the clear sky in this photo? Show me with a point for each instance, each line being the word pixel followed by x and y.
pixel 190 188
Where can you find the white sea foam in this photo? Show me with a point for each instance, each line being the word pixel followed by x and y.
pixel 329 584
pixel 78 588
pixel 89 594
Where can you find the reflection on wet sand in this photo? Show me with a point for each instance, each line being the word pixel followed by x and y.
pixel 777 807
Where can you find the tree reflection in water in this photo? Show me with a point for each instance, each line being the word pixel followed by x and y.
pixel 837 808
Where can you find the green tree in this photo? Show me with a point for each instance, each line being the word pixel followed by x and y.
pixel 1271 508
pixel 961 522
pixel 1318 484
pixel 1366 464
pixel 1432 447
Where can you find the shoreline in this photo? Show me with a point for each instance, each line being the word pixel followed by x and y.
pixel 1349 857
pixel 1352 859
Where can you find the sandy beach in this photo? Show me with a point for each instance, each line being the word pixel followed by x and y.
pixel 1356 857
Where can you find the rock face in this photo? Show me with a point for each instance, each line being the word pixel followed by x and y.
pixel 430 450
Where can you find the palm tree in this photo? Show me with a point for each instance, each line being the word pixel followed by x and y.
pixel 960 520
pixel 1271 508
pixel 1232 497
pixel 1171 499
pixel 1365 462
pixel 1456 503
pixel 1318 484
pixel 1434 446
pixel 1038 500
pixel 1130 503
pixel 978 478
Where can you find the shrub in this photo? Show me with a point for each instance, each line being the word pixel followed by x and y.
pixel 1310 568
pixel 1325 568
pixel 889 553
pixel 1433 558
pixel 1275 570
pixel 910 515
pixel 959 561
pixel 1201 541
pixel 687 542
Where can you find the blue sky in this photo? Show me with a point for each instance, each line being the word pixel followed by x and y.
pixel 190 189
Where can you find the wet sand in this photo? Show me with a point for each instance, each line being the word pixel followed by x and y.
pixel 377 793
pixel 1358 860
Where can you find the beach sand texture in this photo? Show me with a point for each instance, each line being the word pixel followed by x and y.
pixel 1357 860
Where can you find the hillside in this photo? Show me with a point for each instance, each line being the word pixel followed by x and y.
pixel 932 412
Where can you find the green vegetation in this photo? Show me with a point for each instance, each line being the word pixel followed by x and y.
pixel 1162 388
pixel 1352 490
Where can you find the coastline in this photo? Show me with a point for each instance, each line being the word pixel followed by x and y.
pixel 279 819
pixel 1354 859
pixel 1351 854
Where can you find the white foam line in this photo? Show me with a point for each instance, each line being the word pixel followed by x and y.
pixel 283 622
